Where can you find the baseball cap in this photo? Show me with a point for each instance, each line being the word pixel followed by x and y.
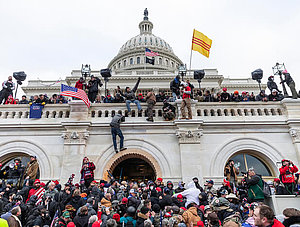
pixel 210 181
pixel 66 214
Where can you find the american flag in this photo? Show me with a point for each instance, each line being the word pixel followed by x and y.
pixel 54 219
pixel 150 53
pixel 76 93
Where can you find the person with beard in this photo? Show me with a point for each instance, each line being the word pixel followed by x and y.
pixel 87 172
pixel 36 190
pixel 264 217
pixel 93 88
pixel 32 168
pixel 7 87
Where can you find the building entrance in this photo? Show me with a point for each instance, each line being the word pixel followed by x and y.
pixel 134 169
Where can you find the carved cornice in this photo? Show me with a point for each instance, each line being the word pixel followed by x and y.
pixel 295 134
pixel 74 137
pixel 189 136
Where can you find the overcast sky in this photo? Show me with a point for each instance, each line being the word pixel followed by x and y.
pixel 48 39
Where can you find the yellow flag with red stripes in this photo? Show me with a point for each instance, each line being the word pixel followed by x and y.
pixel 201 43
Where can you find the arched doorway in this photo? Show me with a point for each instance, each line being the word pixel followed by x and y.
pixel 145 164
pixel 135 169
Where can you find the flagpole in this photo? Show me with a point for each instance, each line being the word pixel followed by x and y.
pixel 191 52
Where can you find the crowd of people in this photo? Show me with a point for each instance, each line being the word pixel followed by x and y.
pixel 26 201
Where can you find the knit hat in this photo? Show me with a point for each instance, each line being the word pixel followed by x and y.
pixel 179 196
pixel 37 181
pixel 71 224
pixel 116 216
pixel 236 92
pixel 224 89
pixel 159 179
pixel 124 200
pixel 277 180
pixel 200 223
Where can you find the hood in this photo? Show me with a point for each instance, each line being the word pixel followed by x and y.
pixel 193 210
pixel 191 185
pixel 180 185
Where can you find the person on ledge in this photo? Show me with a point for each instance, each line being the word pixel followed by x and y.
pixel 129 94
pixel 151 101
pixel 93 88
pixel 186 101
pixel 287 171
pixel 116 131
pixel 87 172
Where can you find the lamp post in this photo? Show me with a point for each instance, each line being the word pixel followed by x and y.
pixel 106 74
pixel 277 70
pixel 182 71
pixel 257 75
pixel 85 70
pixel 19 76
pixel 199 75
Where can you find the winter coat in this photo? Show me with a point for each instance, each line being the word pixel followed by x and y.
pixel 150 98
pixel 88 172
pixel 140 220
pixel 132 201
pixel 117 120
pixel 13 221
pixel 76 202
pixel 3 223
pixel 225 97
pixel 277 223
pixel 81 220
pixel 93 85
pixel 166 201
pixel 191 194
pixel 291 220
pixel 191 217
pixel 287 79
pixel 39 221
pixel 287 173
pixel 105 202
pixel 31 169
pixel 175 86
pixel 131 95
pixel 255 188
pixel 227 172
pixel 128 219
pixel 79 84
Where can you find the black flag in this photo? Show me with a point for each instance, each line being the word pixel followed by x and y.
pixel 150 61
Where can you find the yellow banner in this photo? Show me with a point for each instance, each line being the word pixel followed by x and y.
pixel 201 43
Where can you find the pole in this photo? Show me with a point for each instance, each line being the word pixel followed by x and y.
pixel 191 59
pixel 16 90
pixel 283 86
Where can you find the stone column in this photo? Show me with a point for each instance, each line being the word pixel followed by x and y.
pixel 75 135
pixel 189 135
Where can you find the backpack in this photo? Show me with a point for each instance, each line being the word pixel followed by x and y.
pixel 266 189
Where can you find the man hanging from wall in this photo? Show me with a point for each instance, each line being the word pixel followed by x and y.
pixel 116 131
pixel 87 172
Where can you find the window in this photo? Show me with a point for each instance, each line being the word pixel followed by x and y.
pixel 124 63
pixel 160 61
pixel 119 65
pixel 138 60
pixel 245 161
pixel 167 62
pixel 172 64
pixel 131 61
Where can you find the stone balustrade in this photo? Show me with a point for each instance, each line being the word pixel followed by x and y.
pixel 201 110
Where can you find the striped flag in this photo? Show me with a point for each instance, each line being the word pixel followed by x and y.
pixel 201 43
pixel 54 219
pixel 150 53
pixel 39 193
pixel 76 93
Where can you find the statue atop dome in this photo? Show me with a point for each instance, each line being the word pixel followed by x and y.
pixel 146 14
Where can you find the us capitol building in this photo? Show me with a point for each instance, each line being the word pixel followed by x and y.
pixel 254 134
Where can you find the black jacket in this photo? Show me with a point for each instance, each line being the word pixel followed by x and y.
pixel 81 220
pixel 175 86
pixel 93 85
pixel 166 201
pixel 131 95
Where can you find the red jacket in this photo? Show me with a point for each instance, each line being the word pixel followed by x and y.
pixel 89 171
pixel 184 96
pixel 287 173
pixel 79 85
pixel 277 223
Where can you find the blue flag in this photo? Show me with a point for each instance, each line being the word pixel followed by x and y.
pixel 36 110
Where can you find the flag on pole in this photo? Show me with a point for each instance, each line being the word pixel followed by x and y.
pixel 150 53
pixel 150 60
pixel 76 93
pixel 54 218
pixel 201 43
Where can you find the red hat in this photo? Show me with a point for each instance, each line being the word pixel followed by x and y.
pixel 277 180
pixel 283 160
pixel 140 94
pixel 97 223
pixel 200 223
pixel 159 179
pixel 102 185
pixel 43 184
pixel 179 196
pixel 77 185
pixel 243 93
pixel 158 189
pixel 71 224
pixel 56 182
pixel 37 181
pixel 124 200
pixel 224 89
pixel 117 217
pixel 236 92
pixel 95 182
pixel 183 208
pixel 202 207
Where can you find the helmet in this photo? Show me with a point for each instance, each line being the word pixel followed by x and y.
pixel 131 211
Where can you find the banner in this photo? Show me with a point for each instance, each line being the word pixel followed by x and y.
pixel 36 110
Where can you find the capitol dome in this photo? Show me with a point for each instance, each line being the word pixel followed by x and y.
pixel 131 55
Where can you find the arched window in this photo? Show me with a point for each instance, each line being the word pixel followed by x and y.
pixel 245 161
pixel 138 60
pixel 167 62
pixel 160 61
pixel 124 63
pixel 131 61
pixel 119 65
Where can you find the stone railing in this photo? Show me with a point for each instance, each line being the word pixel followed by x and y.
pixel 201 110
